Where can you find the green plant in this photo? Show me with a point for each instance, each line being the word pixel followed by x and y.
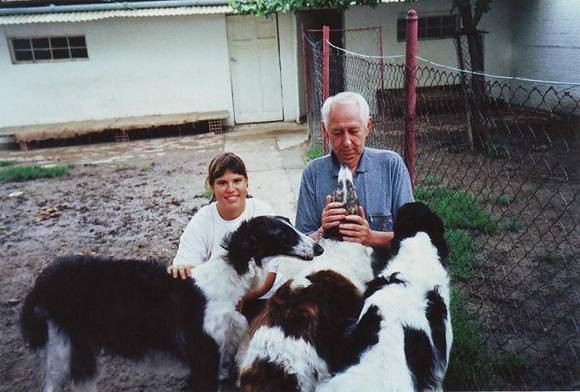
pixel 459 210
pixel 7 163
pixel 147 168
pixel 549 257
pixel 504 200
pixel 313 153
pixel 462 253
pixel 470 364
pixel 511 224
pixel 124 166
pixel 511 363
pixel 26 173
pixel 432 180
pixel 207 193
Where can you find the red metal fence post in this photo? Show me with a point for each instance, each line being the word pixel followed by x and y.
pixel 411 92
pixel 305 61
pixel 325 75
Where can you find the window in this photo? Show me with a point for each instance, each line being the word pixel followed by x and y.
pixel 430 27
pixel 48 49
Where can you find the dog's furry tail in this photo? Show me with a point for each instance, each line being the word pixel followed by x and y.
pixel 33 324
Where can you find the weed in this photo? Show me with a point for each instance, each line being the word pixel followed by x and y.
pixel 549 257
pixel 432 180
pixel 147 168
pixel 459 210
pixel 504 200
pixel 511 363
pixel 462 249
pixel 511 224
pixel 124 166
pixel 470 363
pixel 207 193
pixel 7 163
pixel 26 173
pixel 313 153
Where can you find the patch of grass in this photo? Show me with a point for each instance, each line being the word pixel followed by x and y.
pixel 432 180
pixel 511 363
pixel 146 168
pixel 124 166
pixel 27 173
pixel 313 153
pixel 504 200
pixel 471 364
pixel 549 257
pixel 459 210
pixel 7 163
pixel 207 193
pixel 511 224
pixel 462 253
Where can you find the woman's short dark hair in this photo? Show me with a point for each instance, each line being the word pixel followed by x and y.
pixel 225 161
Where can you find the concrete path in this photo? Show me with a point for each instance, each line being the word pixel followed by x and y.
pixel 274 156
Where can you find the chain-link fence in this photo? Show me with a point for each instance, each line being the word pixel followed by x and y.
pixel 501 166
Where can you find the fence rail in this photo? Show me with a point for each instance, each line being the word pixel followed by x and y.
pixel 498 158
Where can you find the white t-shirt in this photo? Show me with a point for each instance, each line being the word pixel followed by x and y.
pixel 204 233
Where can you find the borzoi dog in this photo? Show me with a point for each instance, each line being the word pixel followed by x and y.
pixel 403 337
pixel 300 334
pixel 325 296
pixel 81 304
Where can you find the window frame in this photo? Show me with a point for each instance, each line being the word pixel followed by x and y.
pixel 50 48
pixel 424 26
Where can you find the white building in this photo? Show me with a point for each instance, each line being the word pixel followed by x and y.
pixel 102 61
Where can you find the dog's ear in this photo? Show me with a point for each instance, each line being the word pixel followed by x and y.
pixel 241 246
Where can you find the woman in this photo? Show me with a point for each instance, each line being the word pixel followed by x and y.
pixel 229 207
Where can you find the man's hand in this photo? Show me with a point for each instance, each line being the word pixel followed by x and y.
pixel 356 229
pixel 332 214
pixel 180 271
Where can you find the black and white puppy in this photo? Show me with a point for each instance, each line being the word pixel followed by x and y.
pixel 82 304
pixel 403 336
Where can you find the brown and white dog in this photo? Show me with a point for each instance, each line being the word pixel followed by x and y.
pixel 296 340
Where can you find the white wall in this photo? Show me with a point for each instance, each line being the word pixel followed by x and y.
pixel 289 66
pixel 498 21
pixel 136 66
pixel 547 44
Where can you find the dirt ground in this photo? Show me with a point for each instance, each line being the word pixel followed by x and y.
pixel 130 199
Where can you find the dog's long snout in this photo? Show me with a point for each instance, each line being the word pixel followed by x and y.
pixel 318 250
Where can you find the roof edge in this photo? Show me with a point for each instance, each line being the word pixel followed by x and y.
pixel 52 9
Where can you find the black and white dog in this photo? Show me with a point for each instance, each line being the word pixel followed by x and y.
pixel 298 337
pixel 403 336
pixel 82 304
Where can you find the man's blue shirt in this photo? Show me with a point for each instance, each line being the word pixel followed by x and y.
pixel 382 184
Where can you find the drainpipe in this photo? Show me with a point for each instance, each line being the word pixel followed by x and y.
pixel 51 9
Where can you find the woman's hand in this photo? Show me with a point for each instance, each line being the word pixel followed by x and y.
pixel 180 271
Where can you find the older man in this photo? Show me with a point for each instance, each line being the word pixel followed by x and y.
pixel 380 178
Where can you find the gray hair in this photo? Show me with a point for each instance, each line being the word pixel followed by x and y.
pixel 346 96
